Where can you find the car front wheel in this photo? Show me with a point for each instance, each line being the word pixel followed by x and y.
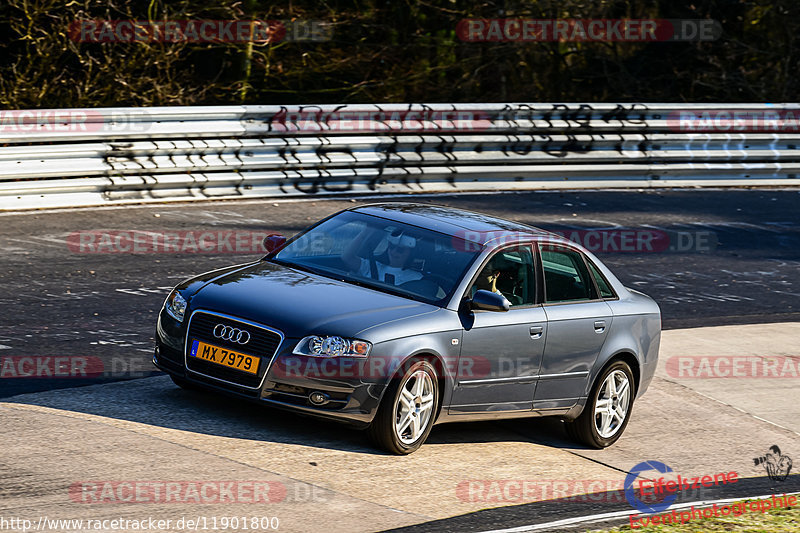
pixel 407 411
pixel 608 410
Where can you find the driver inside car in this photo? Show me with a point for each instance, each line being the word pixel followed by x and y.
pixel 391 267
pixel 501 278
pixel 487 280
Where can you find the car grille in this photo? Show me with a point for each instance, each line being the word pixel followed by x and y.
pixel 263 343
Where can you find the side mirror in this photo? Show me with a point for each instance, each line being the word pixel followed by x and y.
pixel 489 301
pixel 273 242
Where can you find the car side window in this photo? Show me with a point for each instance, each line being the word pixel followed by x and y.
pixel 509 272
pixel 602 285
pixel 566 278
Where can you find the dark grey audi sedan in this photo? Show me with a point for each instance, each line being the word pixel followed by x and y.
pixel 394 317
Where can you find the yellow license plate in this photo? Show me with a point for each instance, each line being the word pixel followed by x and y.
pixel 224 357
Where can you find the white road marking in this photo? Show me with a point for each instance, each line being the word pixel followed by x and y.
pixel 621 514
pixel 35 243
pixel 144 291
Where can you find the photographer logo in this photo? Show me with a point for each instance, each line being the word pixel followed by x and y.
pixel 775 463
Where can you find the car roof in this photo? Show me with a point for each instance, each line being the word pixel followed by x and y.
pixel 468 225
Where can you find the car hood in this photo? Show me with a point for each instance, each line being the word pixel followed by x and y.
pixel 300 303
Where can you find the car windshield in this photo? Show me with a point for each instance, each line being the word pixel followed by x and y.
pixel 383 254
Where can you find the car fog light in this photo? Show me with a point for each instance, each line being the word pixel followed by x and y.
pixel 318 398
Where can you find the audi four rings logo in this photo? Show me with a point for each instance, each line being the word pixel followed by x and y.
pixel 221 331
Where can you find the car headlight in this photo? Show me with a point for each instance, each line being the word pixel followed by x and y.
pixel 175 305
pixel 332 346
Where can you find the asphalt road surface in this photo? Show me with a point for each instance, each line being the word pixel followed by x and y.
pixel 70 453
pixel 76 305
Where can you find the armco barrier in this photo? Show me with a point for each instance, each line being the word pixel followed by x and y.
pixel 81 157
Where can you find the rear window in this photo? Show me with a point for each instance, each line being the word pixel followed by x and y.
pixel 602 285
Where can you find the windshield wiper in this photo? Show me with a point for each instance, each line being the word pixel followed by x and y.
pixel 385 288
pixel 300 266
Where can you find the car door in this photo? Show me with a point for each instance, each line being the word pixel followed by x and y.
pixel 578 321
pixel 501 351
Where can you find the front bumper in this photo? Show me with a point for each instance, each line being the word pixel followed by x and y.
pixel 287 382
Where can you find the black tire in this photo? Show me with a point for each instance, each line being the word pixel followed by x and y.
pixel 383 431
pixel 185 385
pixel 584 428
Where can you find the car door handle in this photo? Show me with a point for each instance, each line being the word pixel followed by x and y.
pixel 536 332
pixel 600 326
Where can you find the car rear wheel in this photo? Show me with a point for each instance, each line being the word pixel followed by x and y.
pixel 608 410
pixel 407 411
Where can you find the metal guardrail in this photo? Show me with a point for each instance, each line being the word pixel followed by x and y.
pixel 81 157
